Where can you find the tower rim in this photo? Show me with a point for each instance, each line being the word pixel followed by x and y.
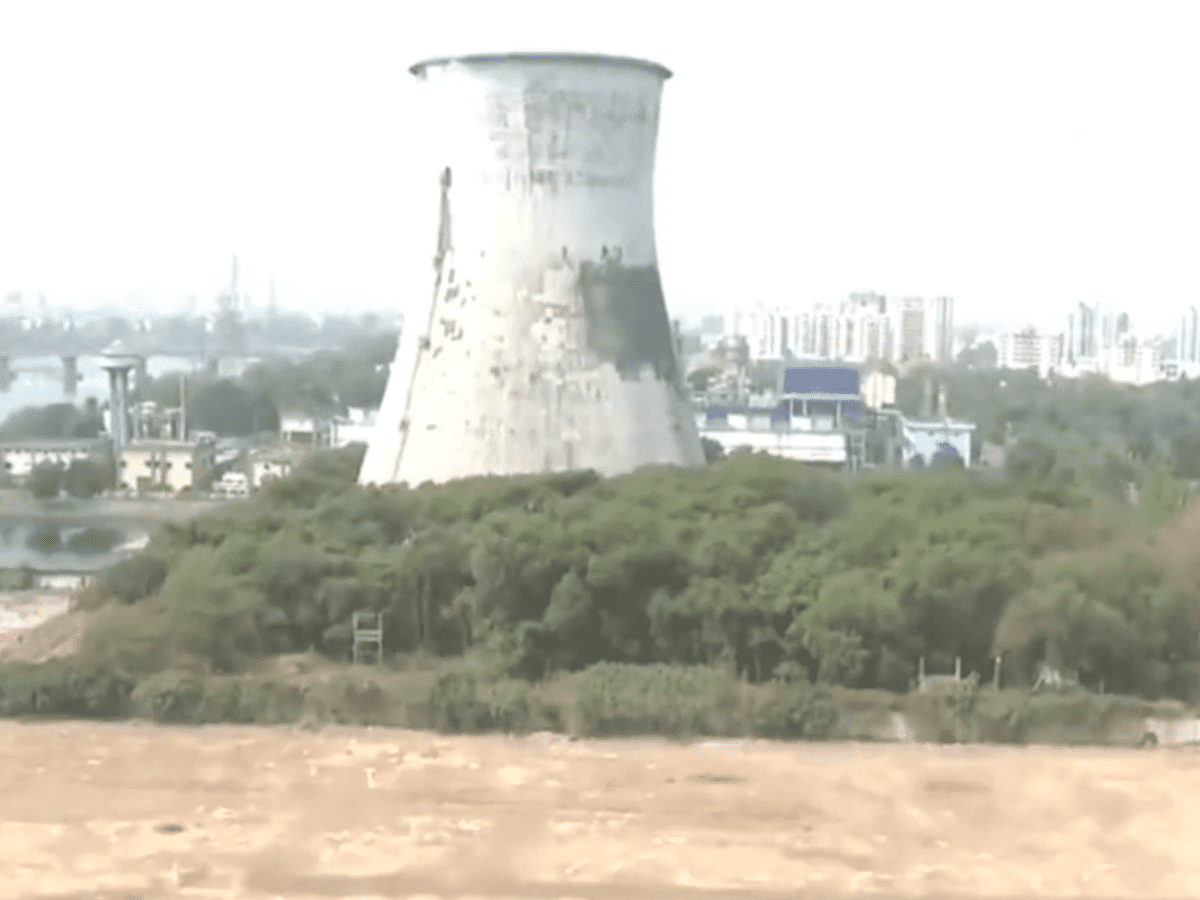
pixel 478 59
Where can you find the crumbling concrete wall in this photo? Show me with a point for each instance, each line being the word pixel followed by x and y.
pixel 546 344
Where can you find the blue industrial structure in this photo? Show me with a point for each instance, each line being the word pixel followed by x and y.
pixel 819 415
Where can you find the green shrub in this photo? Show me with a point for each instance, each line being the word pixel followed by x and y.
pixel 171 696
pixel 677 701
pixel 793 711
pixel 45 480
pixel 135 639
pixel 64 688
pixel 134 578
pixel 85 478
pixel 264 701
pixel 45 539
pixel 94 540
pixel 457 706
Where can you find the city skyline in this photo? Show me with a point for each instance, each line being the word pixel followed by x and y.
pixel 899 150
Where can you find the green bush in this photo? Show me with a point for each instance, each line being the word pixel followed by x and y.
pixel 45 480
pixel 457 706
pixel 134 578
pixel 677 701
pixel 793 711
pixel 85 478
pixel 94 540
pixel 171 696
pixel 135 640
pixel 64 688
pixel 45 539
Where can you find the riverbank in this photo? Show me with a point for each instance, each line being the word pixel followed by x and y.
pixel 150 811
pixel 57 668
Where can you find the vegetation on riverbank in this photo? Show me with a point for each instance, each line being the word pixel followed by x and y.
pixel 605 700
pixel 739 598
pixel 764 567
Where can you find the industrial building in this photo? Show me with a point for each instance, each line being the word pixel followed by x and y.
pixel 817 416
pixel 545 343
pixel 920 442
pixel 163 465
pixel 20 457
pixel 824 415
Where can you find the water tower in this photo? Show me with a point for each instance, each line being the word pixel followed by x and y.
pixel 544 342
pixel 119 361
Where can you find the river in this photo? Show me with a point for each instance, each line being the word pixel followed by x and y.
pixel 38 381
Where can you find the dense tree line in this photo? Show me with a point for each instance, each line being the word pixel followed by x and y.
pixel 1102 435
pixel 58 421
pixel 322 384
pixel 83 479
pixel 752 564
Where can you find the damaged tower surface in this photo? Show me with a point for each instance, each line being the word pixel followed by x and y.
pixel 546 344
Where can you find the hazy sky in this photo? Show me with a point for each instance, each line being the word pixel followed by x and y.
pixel 1018 156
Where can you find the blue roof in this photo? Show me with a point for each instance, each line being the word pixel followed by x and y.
pixel 820 380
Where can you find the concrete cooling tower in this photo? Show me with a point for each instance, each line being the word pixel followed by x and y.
pixel 546 344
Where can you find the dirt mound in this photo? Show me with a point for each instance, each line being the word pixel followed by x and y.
pixel 57 637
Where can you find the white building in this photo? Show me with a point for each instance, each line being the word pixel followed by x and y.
pixel 270 463
pixel 167 466
pixel 303 429
pixel 861 328
pixel 1029 348
pixel 1187 344
pixel 924 439
pixel 940 328
pixel 21 456
pixel 354 428
pixel 1135 361
pixel 815 418
pixel 879 390
pixel 232 486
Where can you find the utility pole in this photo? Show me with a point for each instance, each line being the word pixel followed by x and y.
pixel 182 406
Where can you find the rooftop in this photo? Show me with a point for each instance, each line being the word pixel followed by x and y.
pixel 584 59
pixel 52 443
pixel 161 444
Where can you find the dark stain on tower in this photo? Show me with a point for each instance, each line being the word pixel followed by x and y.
pixel 627 318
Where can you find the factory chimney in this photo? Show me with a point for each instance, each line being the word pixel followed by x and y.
pixel 942 414
pixel 544 344
pixel 927 399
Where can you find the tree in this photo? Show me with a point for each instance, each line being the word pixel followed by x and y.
pixel 713 451
pixel 1031 459
pixel 1185 449
pixel 85 478
pixel 45 480
pixel 56 421
pixel 946 458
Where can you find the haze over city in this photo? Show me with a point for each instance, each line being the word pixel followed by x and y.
pixel 1020 159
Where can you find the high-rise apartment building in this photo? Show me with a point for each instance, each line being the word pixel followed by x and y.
pixel 1082 337
pixel 1022 349
pixel 1188 340
pixel 940 325
pixel 912 329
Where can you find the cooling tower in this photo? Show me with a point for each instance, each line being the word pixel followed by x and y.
pixel 545 345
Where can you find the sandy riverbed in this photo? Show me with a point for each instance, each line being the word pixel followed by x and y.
pixel 121 810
